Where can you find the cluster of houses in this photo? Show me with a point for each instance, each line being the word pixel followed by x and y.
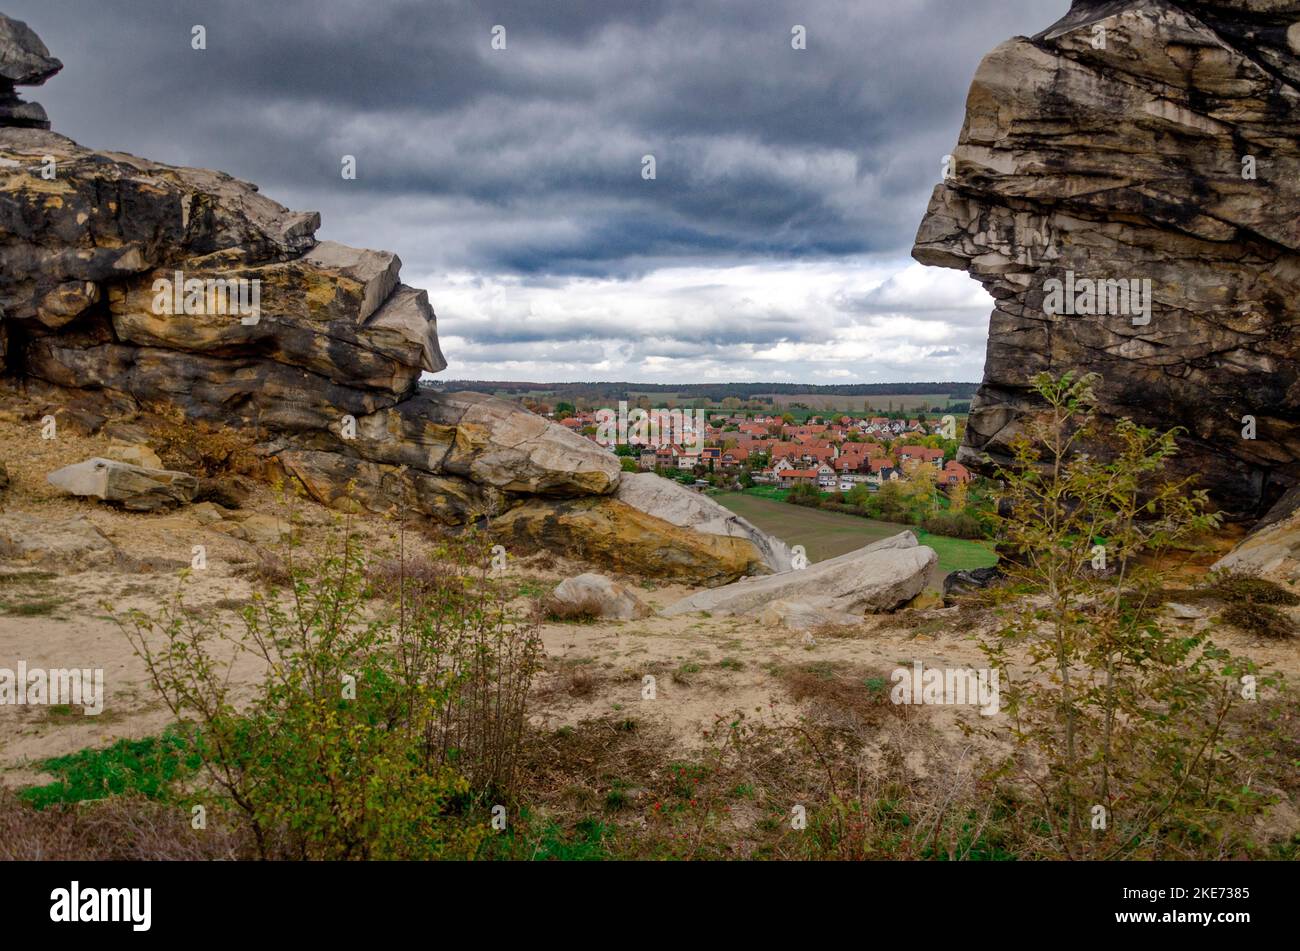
pixel 834 455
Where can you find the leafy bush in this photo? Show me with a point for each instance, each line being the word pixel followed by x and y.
pixel 1122 723
pixel 805 493
pixel 586 608
pixel 954 525
pixel 380 719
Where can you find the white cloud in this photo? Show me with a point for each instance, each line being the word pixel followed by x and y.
pixel 829 321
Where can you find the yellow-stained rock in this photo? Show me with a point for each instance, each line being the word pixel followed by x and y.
pixel 613 536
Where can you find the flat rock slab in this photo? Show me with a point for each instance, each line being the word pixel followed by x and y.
pixel 881 577
pixel 133 487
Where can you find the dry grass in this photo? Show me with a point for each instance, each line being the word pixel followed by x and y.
pixel 583 610
pixel 841 694
pixel 118 829
pixel 1262 620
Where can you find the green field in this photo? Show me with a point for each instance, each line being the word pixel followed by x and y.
pixel 827 534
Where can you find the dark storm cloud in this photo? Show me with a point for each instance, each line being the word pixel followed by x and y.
pixel 762 151
pixel 773 244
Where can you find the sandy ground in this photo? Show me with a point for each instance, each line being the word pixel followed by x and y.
pixel 704 667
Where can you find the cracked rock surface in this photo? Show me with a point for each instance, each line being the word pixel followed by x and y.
pixel 1141 140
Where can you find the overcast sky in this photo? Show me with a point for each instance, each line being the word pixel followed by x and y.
pixel 772 245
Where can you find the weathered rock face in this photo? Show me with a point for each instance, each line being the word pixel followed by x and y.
pixel 324 359
pixel 1141 141
pixel 24 61
pixel 128 286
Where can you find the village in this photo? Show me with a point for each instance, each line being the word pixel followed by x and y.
pixel 833 453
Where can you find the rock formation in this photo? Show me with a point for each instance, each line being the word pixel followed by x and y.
pixel 24 61
pixel 1141 141
pixel 128 287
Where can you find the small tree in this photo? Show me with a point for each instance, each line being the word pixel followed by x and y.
pixel 1120 721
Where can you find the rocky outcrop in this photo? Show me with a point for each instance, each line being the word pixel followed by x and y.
pixel 24 61
pixel 149 286
pixel 1144 146
pixel 673 502
pixel 880 577
pixel 39 540
pixel 130 290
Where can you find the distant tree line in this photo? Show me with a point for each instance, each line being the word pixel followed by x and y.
pixel 713 392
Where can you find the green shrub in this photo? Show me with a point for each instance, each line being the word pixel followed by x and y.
pixel 1123 722
pixel 954 525
pixel 380 719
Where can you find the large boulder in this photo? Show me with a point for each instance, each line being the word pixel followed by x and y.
pixel 1140 141
pixel 880 577
pixel 674 502
pixel 132 487
pixel 613 535
pixel 596 592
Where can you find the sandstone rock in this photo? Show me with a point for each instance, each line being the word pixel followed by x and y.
pixel 614 536
pixel 406 330
pixel 38 539
pixel 136 455
pixel 497 444
pixel 880 577
pixel 24 61
pixel 613 599
pixel 208 513
pixel 1183 612
pixel 673 502
pixel 350 484
pixel 1271 551
pixel 133 487
pixel 1133 159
